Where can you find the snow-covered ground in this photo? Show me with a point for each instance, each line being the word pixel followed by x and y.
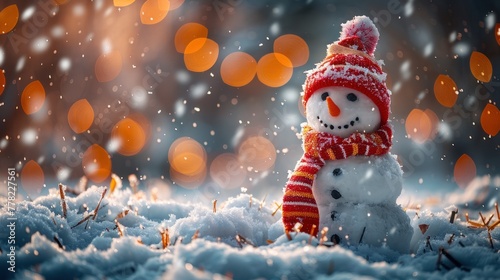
pixel 241 239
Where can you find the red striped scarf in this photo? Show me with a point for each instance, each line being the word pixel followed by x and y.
pixel 299 205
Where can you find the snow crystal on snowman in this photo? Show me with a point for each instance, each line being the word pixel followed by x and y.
pixel 346 180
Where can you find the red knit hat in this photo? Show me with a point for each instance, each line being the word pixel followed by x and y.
pixel 350 63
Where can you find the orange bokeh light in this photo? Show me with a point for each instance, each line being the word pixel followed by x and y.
pixel 187 162
pixel 418 126
pixel 464 171
pixel 187 33
pixel 188 181
pixel 8 18
pixel 32 178
pixel 33 97
pixel 130 135
pixel 445 90
pixel 143 122
pixel 80 116
pixel 274 69
pixel 481 67
pixel 2 81
pixel 238 69
pixel 108 66
pixel 201 54
pixel 257 153
pixel 227 171
pixel 122 3
pixel 96 163
pixel 293 47
pixel 490 119
pixel 434 119
pixel 174 4
pixel 187 156
pixel 154 11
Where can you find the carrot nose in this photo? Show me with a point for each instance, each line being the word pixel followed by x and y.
pixel 332 107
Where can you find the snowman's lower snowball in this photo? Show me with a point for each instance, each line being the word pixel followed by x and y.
pixel 356 199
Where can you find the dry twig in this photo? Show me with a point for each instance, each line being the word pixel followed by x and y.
pixel 438 262
pixel 119 227
pixel 122 214
pixel 63 199
pixel 428 242
pixel 165 238
pixel 195 235
pixel 323 237
pixel 134 182
pixel 58 242
pixel 453 214
pixel 115 181
pixel 485 223
pixel 450 240
pixel 83 220
pixel 92 215
pixel 362 234
pixel 262 202
pixel 242 240
pixel 96 210
pixel 313 228
pixel 278 208
pixel 452 259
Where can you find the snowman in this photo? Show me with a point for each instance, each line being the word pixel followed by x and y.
pixel 347 181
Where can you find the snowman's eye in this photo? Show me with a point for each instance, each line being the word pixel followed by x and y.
pixel 352 97
pixel 324 96
pixel 337 172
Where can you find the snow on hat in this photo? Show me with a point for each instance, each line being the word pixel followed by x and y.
pixel 350 63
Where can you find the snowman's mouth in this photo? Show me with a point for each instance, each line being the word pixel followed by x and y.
pixel 339 127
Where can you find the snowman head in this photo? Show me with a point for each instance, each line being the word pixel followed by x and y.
pixel 346 92
pixel 342 111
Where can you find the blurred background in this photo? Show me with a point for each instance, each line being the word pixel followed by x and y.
pixel 200 100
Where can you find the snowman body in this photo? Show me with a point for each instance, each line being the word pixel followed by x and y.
pixel 356 199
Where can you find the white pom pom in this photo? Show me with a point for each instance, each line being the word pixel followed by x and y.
pixel 363 28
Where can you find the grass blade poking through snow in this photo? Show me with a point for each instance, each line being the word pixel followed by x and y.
pixel 63 200
pixel 96 210
pixel 453 214
pixel 323 237
pixel 242 240
pixel 92 215
pixel 165 238
pixel 313 228
pixel 262 202
pixel 134 182
pixel 485 223
pixel 452 259
pixel 58 242
pixel 278 207
pixel 119 227
pixel 195 235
